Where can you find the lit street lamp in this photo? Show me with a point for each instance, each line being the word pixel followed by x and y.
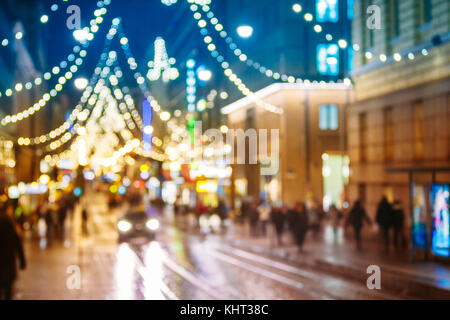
pixel 245 31
pixel 204 75
pixel 81 83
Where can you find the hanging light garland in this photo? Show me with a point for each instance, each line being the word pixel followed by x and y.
pixel 231 75
pixel 218 27
pixel 56 70
pixel 162 65
pixel 62 129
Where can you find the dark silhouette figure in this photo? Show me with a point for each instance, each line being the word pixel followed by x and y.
pixel 335 216
pixel 222 210
pixel 62 214
pixel 398 218
pixel 84 218
pixel 298 220
pixel 10 249
pixel 253 218
pixel 50 224
pixel 356 219
pixel 384 219
pixel 278 218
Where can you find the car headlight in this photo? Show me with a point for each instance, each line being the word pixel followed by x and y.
pixel 124 226
pixel 152 224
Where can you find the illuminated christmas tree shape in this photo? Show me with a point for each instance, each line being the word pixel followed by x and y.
pixel 162 65
pixel 168 2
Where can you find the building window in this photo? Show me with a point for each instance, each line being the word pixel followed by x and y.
pixel 328 117
pixel 327 10
pixel 425 11
pixel 388 135
pixel 328 59
pixel 350 12
pixel 394 12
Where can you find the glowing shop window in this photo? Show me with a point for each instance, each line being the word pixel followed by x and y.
pixel 327 10
pixel 328 59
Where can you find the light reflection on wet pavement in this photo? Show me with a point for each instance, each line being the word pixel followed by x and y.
pixel 175 266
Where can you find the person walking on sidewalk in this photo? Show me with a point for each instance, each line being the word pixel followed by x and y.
pixel 84 222
pixel 264 216
pixel 384 219
pixel 356 219
pixel 398 218
pixel 278 218
pixel 335 216
pixel 253 218
pixel 10 249
pixel 298 220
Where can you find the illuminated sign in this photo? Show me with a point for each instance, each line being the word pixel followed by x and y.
pixel 440 236
pixel 208 186
pixel 147 118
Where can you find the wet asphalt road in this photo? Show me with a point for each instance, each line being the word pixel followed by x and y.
pixel 178 265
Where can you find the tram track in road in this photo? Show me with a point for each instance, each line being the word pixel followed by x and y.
pixel 317 284
pixel 185 274
pixel 317 280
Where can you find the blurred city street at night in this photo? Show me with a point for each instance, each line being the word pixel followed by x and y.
pixel 224 150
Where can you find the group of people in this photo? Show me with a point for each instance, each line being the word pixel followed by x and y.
pixel 391 217
pixel 298 218
pixel 302 218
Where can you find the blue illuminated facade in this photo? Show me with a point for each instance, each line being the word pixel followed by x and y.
pixel 328 59
pixel 327 10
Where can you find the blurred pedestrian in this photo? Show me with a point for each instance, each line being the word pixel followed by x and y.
pixel 84 222
pixel 335 216
pixel 313 212
pixel 298 220
pixel 50 224
pixel 62 214
pixel 384 219
pixel 222 210
pixel 253 218
pixel 10 249
pixel 278 220
pixel 356 219
pixel 264 216
pixel 398 218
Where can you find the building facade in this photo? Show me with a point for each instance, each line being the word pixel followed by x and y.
pixel 400 120
pixel 311 146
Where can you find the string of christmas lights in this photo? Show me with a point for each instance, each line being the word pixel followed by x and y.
pixel 62 129
pixel 232 76
pixel 62 80
pixel 18 87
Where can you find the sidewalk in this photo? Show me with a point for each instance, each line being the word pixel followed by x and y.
pixel 420 279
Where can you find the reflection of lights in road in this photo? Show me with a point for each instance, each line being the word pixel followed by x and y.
pixel 124 273
pixel 153 274
pixel 150 269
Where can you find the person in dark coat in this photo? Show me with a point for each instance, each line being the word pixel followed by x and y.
pixel 253 218
pixel 298 220
pixel 384 219
pixel 222 210
pixel 10 249
pixel 398 218
pixel 356 219
pixel 278 218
